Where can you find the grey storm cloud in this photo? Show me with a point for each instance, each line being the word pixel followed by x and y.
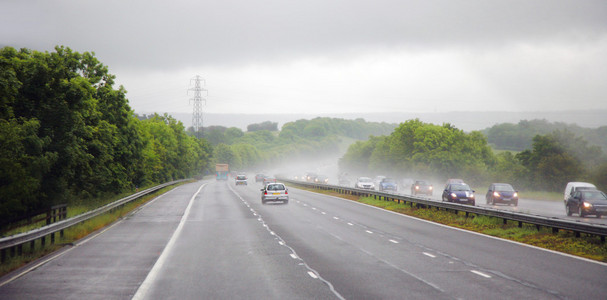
pixel 174 34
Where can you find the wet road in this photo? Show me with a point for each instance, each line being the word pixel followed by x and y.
pixel 214 240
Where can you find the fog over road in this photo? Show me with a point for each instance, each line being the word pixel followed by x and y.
pixel 214 240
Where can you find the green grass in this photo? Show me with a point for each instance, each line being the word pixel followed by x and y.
pixel 77 232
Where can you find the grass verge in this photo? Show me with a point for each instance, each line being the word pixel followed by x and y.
pixel 586 246
pixel 76 233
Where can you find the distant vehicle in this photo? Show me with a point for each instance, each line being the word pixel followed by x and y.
pixel 458 193
pixel 388 184
pixel 268 179
pixel 501 193
pixel 572 187
pixel 321 179
pixel 587 202
pixel 274 192
pixel 454 180
pixel 259 177
pixel 378 179
pixel 310 177
pixel 364 183
pixel 221 171
pixel 421 187
pixel 342 179
pixel 241 179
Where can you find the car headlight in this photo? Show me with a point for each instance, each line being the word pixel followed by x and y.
pixel 430 188
pixel 515 195
pixel 587 205
pixel 496 194
pixel 453 195
pixel 417 187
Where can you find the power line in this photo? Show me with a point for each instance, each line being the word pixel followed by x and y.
pixel 197 114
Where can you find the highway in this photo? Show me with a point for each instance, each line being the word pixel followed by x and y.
pixel 210 240
pixel 547 208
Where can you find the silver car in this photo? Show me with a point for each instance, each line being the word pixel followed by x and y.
pixel 364 183
pixel 274 192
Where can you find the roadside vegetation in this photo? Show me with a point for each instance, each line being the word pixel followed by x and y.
pixel 264 145
pixel 67 135
pixel 424 150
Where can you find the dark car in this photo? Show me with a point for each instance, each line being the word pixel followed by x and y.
pixel 501 193
pixel 388 184
pixel 587 202
pixel 322 179
pixel 268 179
pixel 458 193
pixel 259 177
pixel 310 177
pixel 421 187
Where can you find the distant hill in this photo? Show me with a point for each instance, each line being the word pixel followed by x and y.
pixel 467 121
pixel 518 136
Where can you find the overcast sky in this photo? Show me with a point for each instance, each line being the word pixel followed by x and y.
pixel 323 56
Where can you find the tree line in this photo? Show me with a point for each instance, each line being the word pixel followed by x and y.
pixel 519 137
pixel 301 139
pixel 421 149
pixel 67 133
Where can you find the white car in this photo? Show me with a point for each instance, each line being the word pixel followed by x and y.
pixel 275 192
pixel 364 183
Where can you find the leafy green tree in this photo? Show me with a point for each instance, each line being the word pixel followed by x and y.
pixel 550 165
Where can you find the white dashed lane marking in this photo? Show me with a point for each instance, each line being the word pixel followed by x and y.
pixel 393 241
pixel 480 273
pixel 429 255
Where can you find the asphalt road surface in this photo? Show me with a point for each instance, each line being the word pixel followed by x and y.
pixel 213 240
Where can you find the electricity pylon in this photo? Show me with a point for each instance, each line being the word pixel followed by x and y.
pixel 197 115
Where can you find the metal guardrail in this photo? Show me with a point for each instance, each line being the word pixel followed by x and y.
pixel 16 242
pixel 551 222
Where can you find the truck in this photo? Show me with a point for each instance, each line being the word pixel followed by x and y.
pixel 221 171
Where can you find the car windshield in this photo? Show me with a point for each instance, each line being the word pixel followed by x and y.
pixel 421 182
pixel 594 195
pixel 460 187
pixel 276 187
pixel 364 179
pixel 504 188
pixel 388 180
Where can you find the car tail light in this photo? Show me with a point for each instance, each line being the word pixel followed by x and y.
pixel 286 192
pixel 265 192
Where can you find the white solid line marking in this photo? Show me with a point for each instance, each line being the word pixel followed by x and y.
pixel 428 254
pixel 480 273
pixel 393 241
pixel 152 275
pixel 293 256
pixel 312 275
pixel 370 232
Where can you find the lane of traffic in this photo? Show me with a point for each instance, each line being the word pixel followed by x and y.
pixel 364 242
